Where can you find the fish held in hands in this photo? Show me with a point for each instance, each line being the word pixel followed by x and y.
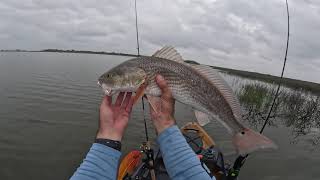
pixel 198 86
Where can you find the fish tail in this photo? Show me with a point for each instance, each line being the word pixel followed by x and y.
pixel 247 141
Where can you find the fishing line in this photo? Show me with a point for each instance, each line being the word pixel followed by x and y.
pixel 239 162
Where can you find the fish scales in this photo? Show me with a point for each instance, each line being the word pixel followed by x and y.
pixel 197 91
pixel 195 85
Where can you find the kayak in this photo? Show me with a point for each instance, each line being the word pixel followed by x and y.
pixel 147 163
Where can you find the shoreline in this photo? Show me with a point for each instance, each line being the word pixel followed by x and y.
pixel 288 82
pixel 74 52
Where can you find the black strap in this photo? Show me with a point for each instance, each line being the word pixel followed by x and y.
pixel 110 143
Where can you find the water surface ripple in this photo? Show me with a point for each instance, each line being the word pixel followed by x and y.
pixel 49 110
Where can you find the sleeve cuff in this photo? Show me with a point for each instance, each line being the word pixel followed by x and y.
pixel 105 150
pixel 166 133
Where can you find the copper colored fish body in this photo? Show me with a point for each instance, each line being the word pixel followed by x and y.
pixel 198 86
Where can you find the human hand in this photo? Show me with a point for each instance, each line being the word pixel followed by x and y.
pixel 162 109
pixel 114 117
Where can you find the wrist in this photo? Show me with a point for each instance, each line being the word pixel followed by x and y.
pixel 109 135
pixel 164 124
pixel 110 143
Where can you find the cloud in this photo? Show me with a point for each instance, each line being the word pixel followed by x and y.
pixel 242 34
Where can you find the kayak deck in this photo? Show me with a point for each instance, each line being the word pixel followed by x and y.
pixel 199 140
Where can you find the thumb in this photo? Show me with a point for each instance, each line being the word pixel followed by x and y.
pixel 162 83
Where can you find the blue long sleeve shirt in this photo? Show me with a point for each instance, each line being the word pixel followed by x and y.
pixel 181 162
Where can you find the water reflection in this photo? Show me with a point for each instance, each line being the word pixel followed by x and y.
pixel 296 109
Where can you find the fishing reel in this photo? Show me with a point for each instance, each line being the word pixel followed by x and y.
pixel 213 162
pixel 144 171
pixel 148 151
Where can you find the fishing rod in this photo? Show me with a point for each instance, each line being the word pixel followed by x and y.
pixel 138 49
pixel 144 120
pixel 282 72
pixel 146 146
pixel 239 162
pixel 137 32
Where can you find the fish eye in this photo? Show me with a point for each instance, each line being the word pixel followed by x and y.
pixel 242 132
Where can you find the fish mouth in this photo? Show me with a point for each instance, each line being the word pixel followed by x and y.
pixel 107 90
pixel 99 83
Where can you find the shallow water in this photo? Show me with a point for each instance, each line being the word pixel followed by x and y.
pixel 49 112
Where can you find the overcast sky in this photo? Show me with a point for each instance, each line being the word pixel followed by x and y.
pixel 241 34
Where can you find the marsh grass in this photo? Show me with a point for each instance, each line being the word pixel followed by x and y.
pixel 297 106
pixel 296 109
pixel 256 100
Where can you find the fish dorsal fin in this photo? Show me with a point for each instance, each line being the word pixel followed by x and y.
pixel 226 91
pixel 169 52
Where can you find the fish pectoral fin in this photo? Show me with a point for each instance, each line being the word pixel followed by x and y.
pixel 139 93
pixel 169 52
pixel 202 118
pixel 154 102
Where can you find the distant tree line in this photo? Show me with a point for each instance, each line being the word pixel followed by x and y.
pixel 87 52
